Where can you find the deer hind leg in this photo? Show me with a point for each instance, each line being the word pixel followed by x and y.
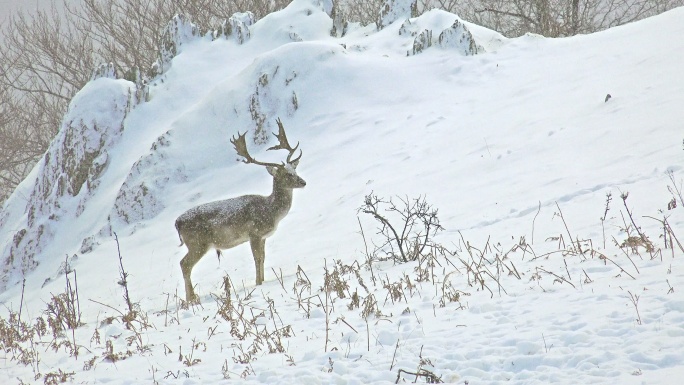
pixel 258 245
pixel 195 253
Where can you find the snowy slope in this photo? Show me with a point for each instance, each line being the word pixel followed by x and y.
pixel 498 139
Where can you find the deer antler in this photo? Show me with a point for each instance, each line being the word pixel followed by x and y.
pixel 283 144
pixel 241 149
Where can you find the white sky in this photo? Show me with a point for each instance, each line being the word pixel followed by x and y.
pixel 8 6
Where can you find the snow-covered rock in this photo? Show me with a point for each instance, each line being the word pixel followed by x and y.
pixel 179 31
pixel 68 175
pixel 393 10
pixel 422 42
pixel 237 27
pixel 459 38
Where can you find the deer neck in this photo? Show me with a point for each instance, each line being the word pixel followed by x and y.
pixel 281 197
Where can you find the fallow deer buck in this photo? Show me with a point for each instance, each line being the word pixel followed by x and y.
pixel 227 223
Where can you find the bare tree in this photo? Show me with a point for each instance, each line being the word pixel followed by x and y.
pixel 47 56
pixel 12 159
pixel 552 18
pixel 44 60
pixel 364 12
pixel 127 32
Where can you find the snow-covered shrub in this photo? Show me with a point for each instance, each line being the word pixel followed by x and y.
pixel 406 229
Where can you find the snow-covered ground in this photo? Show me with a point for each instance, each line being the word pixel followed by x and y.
pixel 516 146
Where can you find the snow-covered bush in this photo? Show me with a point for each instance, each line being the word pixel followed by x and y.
pixel 406 229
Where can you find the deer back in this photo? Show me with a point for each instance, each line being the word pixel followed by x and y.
pixel 227 223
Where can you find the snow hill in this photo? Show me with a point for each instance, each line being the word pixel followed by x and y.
pixel 514 141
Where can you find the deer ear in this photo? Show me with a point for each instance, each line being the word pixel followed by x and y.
pixel 272 170
pixel 295 163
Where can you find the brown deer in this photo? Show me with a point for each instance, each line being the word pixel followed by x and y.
pixel 227 223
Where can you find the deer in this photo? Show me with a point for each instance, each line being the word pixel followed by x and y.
pixel 224 224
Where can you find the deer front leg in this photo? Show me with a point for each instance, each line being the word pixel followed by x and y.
pixel 258 245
